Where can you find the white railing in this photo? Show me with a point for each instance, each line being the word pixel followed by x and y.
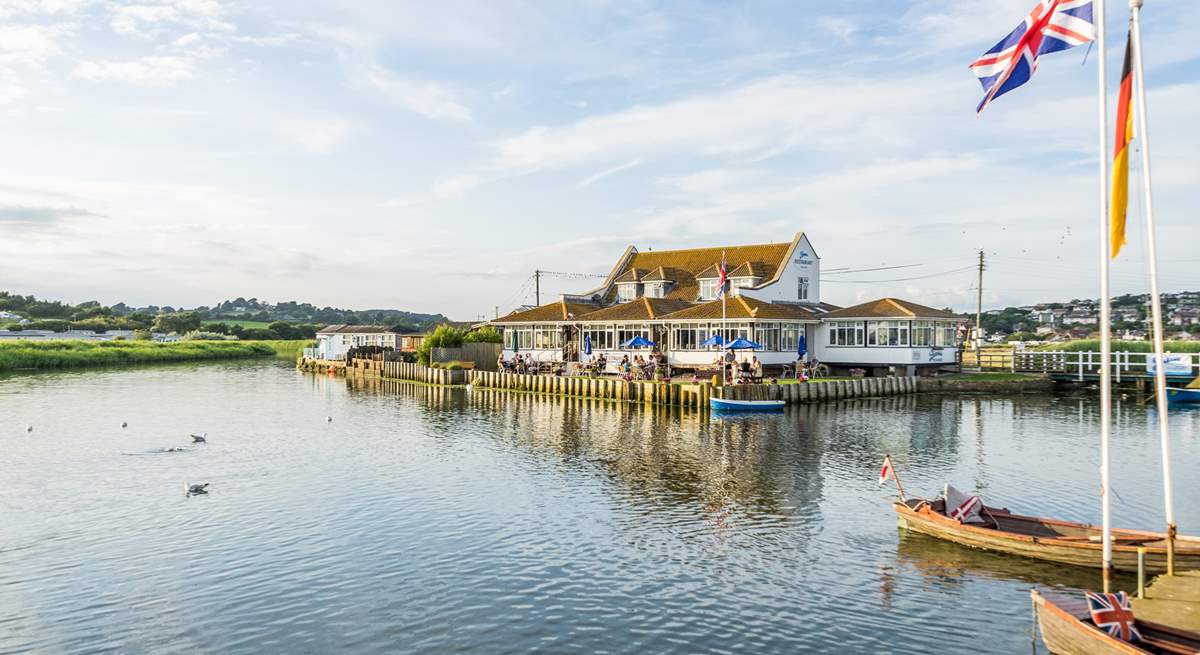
pixel 1084 363
pixel 310 353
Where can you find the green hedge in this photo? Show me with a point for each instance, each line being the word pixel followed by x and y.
pixel 20 354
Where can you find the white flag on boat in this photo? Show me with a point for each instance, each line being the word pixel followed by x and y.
pixel 886 472
pixel 961 507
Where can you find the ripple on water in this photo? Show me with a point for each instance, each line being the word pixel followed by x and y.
pixel 429 521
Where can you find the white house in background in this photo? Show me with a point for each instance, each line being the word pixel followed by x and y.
pixel 9 316
pixel 334 341
pixel 889 332
pixel 670 297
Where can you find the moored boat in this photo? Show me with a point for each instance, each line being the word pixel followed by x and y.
pixel 746 405
pixel 1181 395
pixel 1066 542
pixel 1067 629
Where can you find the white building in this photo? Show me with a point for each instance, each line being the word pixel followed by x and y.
pixel 334 341
pixel 888 333
pixel 670 297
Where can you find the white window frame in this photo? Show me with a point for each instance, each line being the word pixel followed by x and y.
pixel 708 288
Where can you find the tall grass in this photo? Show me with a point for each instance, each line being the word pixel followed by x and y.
pixel 1124 346
pixel 22 354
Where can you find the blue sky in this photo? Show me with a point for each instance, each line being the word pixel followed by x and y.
pixel 430 156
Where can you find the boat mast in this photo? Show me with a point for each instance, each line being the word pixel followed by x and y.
pixel 1105 301
pixel 1160 373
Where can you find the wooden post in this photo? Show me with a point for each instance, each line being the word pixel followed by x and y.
pixel 895 477
pixel 1142 572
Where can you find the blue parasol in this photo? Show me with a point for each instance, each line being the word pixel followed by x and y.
pixel 638 342
pixel 587 344
pixel 802 347
pixel 743 344
pixel 714 340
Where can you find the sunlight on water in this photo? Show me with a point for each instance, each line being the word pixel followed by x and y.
pixel 440 521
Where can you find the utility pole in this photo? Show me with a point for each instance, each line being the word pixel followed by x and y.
pixel 979 312
pixel 537 288
pixel 497 311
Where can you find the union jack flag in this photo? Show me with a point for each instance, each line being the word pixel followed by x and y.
pixel 723 273
pixel 1053 25
pixel 1112 614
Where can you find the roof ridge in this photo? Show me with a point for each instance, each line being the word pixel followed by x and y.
pixel 896 303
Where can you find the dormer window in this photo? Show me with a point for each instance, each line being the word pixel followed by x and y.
pixel 736 283
pixel 708 288
pixel 627 291
pixel 655 289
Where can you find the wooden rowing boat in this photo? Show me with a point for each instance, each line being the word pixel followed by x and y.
pixel 1067 629
pixel 1047 539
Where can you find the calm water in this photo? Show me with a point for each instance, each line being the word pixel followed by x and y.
pixel 428 521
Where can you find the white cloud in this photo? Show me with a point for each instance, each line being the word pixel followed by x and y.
pixel 592 179
pixel 28 44
pixel 842 28
pixel 429 99
pixel 457 185
pixel 149 71
pixel 318 134
pixel 151 20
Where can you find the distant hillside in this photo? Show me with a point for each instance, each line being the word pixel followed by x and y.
pixel 251 318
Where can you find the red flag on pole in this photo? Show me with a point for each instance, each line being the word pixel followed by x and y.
pixel 886 472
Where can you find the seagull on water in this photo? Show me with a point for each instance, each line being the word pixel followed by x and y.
pixel 195 489
pixel 200 438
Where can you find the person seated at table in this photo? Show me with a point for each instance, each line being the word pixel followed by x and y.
pixel 756 368
pixel 601 363
pixel 500 362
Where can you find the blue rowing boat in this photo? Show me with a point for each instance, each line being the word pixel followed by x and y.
pixel 1179 396
pixel 746 405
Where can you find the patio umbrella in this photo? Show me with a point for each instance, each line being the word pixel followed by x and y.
pixel 802 347
pixel 638 342
pixel 714 340
pixel 743 344
pixel 587 344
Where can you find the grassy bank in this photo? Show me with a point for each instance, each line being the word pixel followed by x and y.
pixel 72 353
pixel 287 348
pixel 1125 346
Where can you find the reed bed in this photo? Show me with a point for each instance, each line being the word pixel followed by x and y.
pixel 1124 346
pixel 65 353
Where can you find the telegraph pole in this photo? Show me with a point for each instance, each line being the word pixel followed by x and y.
pixel 537 288
pixel 979 312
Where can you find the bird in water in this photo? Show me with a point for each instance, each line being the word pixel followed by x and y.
pixel 124 424
pixel 29 427
pixel 195 489
pixel 200 438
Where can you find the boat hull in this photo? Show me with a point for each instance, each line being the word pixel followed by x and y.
pixel 1180 396
pixel 746 405
pixel 1077 544
pixel 1067 629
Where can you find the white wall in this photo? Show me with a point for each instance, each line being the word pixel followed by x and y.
pixel 803 263
pixel 885 355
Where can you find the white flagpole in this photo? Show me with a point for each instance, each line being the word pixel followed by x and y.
pixel 1105 301
pixel 724 325
pixel 1160 373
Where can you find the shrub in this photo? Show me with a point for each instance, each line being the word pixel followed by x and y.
pixel 486 334
pixel 442 337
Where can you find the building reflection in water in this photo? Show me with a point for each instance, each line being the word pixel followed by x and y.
pixel 757 469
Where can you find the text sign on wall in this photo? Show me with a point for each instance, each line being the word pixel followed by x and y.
pixel 1173 364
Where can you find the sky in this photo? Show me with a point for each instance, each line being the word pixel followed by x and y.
pixel 431 156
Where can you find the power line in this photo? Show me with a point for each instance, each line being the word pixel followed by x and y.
pixel 901 279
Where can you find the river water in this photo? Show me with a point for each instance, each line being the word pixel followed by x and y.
pixel 424 520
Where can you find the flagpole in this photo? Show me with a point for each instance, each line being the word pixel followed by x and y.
pixel 1105 301
pixel 725 372
pixel 1160 373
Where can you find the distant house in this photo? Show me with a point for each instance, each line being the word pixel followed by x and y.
pixel 334 341
pixel 9 316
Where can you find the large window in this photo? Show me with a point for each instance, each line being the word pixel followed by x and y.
pixel 547 337
pixel 887 333
pixel 845 333
pixel 767 336
pixel 627 332
pixel 802 288
pixel 603 337
pixel 924 333
pixel 947 335
pixel 655 289
pixel 627 291
pixel 789 336
pixel 708 289
pixel 689 336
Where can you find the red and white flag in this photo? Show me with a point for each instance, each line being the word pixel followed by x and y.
pixel 886 472
pixel 723 276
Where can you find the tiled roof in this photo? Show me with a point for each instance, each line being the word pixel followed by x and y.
pixel 642 309
pixel 686 266
pixel 631 275
pixel 742 308
pixel 660 275
pixel 890 308
pixel 343 328
pixel 748 269
pixel 555 311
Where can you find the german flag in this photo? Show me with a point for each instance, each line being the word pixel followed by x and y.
pixel 1120 189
